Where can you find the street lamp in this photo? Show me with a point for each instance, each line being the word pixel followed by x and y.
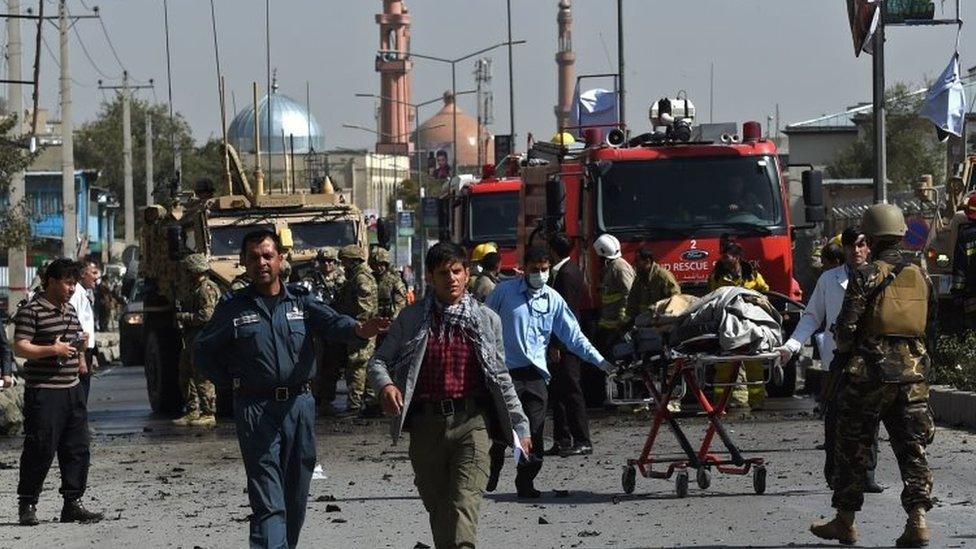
pixel 453 63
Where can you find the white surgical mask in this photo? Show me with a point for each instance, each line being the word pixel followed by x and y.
pixel 537 280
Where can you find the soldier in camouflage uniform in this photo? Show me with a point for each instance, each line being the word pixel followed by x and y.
pixel 889 308
pixel 357 298
pixel 391 292
pixel 324 283
pixel 198 306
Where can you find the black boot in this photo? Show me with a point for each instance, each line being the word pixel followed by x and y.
pixel 74 511
pixel 28 514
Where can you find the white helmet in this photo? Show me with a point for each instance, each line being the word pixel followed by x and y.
pixel 607 246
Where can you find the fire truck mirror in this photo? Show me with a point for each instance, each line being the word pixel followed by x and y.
pixel 812 187
pixel 555 199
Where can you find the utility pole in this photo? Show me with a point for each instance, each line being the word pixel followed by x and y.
pixel 16 257
pixel 880 148
pixel 129 207
pixel 620 62
pixel 69 232
pixel 149 159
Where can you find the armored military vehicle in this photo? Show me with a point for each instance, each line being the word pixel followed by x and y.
pixel 215 226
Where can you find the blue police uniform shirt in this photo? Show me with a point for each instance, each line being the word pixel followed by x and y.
pixel 265 349
pixel 530 318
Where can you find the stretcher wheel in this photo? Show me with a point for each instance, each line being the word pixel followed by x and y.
pixel 629 479
pixel 681 484
pixel 704 478
pixel 759 479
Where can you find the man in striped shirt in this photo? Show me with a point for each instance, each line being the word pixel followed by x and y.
pixel 49 336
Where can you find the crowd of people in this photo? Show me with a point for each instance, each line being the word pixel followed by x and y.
pixel 471 369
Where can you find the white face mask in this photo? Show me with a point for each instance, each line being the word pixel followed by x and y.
pixel 537 280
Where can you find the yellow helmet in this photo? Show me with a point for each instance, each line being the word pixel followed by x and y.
pixel 481 250
pixel 836 240
pixel 563 138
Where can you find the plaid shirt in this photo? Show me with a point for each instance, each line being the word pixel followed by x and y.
pixel 450 369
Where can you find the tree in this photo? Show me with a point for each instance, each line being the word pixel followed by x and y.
pixel 14 218
pixel 98 145
pixel 911 144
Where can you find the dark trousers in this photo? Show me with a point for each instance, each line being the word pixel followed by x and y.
pixel 55 422
pixel 277 442
pixel 533 393
pixel 830 448
pixel 85 379
pixel 570 424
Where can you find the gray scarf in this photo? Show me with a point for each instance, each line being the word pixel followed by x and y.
pixel 457 316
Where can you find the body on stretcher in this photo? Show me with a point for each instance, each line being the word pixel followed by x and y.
pixel 667 376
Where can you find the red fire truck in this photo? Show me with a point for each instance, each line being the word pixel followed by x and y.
pixel 658 190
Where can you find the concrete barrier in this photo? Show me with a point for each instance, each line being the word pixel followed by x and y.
pixel 953 407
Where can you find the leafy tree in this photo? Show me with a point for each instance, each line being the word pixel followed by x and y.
pixel 14 218
pixel 98 145
pixel 911 144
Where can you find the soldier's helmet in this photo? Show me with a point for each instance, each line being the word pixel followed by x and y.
pixel 327 253
pixel 883 220
pixel 381 256
pixel 196 263
pixel 352 251
pixel 285 271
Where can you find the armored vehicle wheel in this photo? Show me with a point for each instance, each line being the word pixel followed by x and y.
pixel 162 374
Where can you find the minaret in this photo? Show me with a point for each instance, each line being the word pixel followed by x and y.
pixel 565 61
pixel 394 68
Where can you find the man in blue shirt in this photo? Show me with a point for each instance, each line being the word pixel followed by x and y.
pixel 259 342
pixel 531 313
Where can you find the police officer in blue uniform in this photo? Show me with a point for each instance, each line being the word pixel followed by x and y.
pixel 259 341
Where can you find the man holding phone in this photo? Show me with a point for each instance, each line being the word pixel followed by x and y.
pixel 49 335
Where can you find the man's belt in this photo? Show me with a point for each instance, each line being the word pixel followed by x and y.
pixel 279 394
pixel 446 407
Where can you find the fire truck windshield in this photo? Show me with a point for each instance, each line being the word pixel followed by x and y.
pixel 493 217
pixel 688 194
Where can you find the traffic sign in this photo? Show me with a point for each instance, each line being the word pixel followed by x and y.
pixel 917 234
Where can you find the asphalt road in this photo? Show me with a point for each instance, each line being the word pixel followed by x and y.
pixel 167 487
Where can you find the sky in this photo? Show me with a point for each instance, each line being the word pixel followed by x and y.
pixel 793 53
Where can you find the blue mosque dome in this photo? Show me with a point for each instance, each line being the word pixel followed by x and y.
pixel 288 117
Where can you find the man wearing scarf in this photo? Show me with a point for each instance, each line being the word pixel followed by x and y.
pixel 441 375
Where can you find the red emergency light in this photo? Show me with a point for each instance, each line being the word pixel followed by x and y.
pixel 751 132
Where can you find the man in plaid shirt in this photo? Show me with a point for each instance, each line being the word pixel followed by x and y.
pixel 441 374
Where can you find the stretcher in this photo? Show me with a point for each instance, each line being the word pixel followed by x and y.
pixel 667 377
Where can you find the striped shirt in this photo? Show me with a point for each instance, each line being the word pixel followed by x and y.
pixel 40 322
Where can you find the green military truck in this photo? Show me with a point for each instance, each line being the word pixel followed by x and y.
pixel 215 227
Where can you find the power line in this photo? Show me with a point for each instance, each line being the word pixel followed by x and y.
pixel 111 46
pixel 91 61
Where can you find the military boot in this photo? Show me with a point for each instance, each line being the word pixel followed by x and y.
pixel 28 514
pixel 206 421
pixel 842 528
pixel 184 421
pixel 74 511
pixel 916 532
